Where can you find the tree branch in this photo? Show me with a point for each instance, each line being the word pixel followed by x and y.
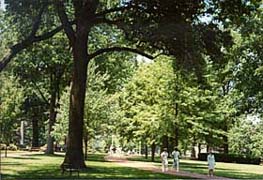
pixel 112 10
pixel 40 92
pixel 6 60
pixel 37 20
pixel 25 43
pixel 118 49
pixel 104 20
pixel 67 26
pixel 50 33
pixel 15 49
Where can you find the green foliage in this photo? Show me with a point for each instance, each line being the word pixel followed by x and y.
pixel 248 57
pixel 11 98
pixel 119 66
pixel 146 102
pixel 97 104
pixel 185 29
pixel 96 113
pixel 246 137
pixel 231 158
pixel 61 126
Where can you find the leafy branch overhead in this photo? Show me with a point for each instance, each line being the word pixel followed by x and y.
pixel 185 29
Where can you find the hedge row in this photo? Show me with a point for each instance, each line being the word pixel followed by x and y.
pixel 231 158
pixel 11 147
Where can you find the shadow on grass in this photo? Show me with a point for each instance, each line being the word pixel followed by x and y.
pixel 10 163
pixel 97 169
pixel 43 155
pixel 93 172
pixel 91 157
pixel 26 157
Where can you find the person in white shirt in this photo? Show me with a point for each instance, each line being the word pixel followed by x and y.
pixel 211 163
pixel 164 158
pixel 176 156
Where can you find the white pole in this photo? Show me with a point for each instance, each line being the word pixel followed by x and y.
pixel 22 133
pixel 140 146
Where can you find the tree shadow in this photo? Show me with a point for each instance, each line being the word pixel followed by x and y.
pixel 26 157
pixel 11 163
pixel 43 154
pixel 101 171
pixel 89 173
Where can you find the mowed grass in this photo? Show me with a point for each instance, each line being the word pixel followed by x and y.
pixel 230 170
pixel 39 166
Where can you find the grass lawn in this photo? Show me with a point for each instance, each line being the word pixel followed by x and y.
pixel 39 166
pixel 231 170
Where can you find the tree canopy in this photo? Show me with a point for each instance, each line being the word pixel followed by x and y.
pixel 189 30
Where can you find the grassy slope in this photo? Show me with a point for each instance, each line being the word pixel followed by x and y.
pixel 47 167
pixel 231 170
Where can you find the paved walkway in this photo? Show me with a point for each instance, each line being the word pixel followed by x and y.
pixel 151 167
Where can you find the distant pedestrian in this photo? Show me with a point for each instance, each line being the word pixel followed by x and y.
pixel 164 158
pixel 176 157
pixel 211 163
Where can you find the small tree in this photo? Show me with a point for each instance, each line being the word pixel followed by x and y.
pixel 11 98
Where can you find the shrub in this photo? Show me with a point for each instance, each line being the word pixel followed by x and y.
pixel 2 146
pixel 43 148
pixel 12 147
pixel 231 158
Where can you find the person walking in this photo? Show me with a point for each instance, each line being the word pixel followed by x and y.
pixel 164 159
pixel 176 156
pixel 211 163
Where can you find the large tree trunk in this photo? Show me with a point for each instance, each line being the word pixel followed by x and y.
pixel 226 146
pixel 146 151
pixel 225 126
pixel 74 154
pixel 165 142
pixel 153 151
pixel 225 139
pixel 86 146
pixel 199 148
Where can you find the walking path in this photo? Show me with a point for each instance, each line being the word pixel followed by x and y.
pixel 151 167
